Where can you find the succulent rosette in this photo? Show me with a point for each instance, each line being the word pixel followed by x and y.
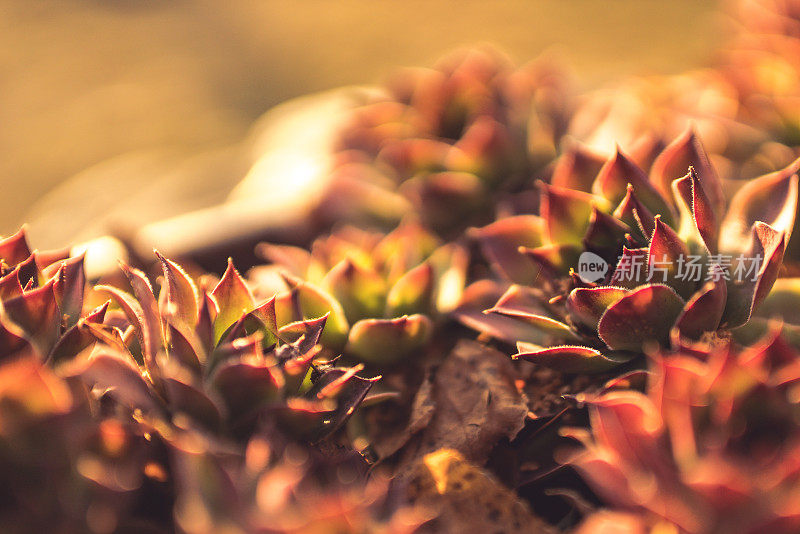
pixel 41 301
pixel 446 143
pixel 215 360
pixel 382 292
pixel 711 447
pixel 671 259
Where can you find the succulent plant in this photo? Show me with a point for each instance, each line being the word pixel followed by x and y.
pixel 682 264
pixel 446 143
pixel 216 360
pixel 382 293
pixel 711 446
pixel 41 297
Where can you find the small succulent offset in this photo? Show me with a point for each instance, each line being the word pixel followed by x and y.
pixel 649 230
pixel 381 292
pixel 41 302
pixel 711 447
pixel 217 358
pixel 446 143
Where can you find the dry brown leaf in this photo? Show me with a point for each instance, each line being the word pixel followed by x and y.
pixel 475 405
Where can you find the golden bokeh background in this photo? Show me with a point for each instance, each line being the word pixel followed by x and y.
pixel 156 97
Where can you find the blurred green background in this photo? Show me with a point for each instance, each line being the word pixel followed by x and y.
pixel 155 81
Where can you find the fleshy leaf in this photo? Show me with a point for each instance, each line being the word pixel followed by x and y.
pixel 78 338
pixel 184 347
pixel 261 320
pixel 767 248
pixel 9 284
pixel 781 302
pixel 479 296
pixel 517 304
pixel 233 299
pixel 577 169
pixel 12 341
pixel 566 358
pixel 698 218
pixel 405 247
pixel 674 161
pixel 34 387
pixel 119 375
pixel 587 305
pixel 664 255
pixel 187 398
pixel 205 321
pixel 181 293
pixel 684 193
pixel 14 248
pixel 566 214
pixel 464 191
pixel 247 386
pixel 360 290
pixel 349 389
pixel 150 313
pixel 304 417
pixel 703 312
pixel 295 259
pixel 605 233
pixel 412 293
pixel 500 242
pixel 304 335
pixel 136 317
pixel 554 259
pixel 306 301
pixel 645 315
pixel 49 261
pixel 482 149
pixel 612 184
pixel 771 199
pixel 36 312
pixel 69 287
pixel 388 341
pixel 635 214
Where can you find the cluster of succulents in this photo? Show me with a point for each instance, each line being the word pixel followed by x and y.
pixel 448 143
pixel 383 293
pixel 649 290
pixel 219 358
pixel 677 261
pixel 115 419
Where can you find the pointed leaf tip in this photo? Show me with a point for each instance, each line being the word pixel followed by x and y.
pixel 233 298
